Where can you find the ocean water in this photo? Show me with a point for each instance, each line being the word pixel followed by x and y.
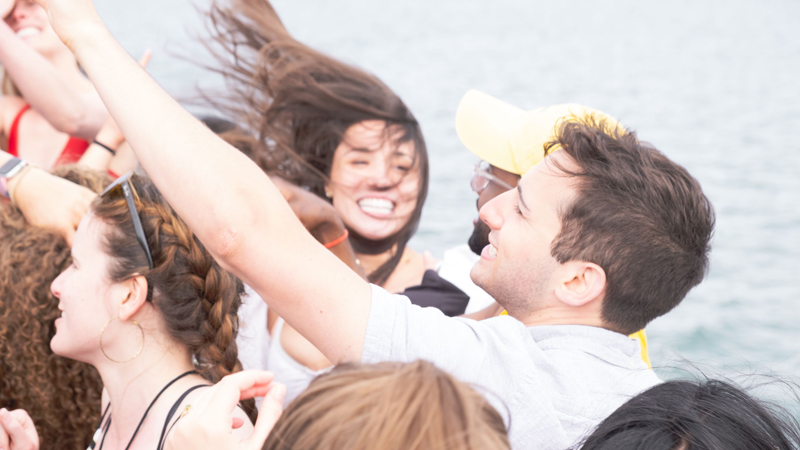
pixel 714 84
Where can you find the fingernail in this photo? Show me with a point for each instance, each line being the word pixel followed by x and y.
pixel 4 413
pixel 278 393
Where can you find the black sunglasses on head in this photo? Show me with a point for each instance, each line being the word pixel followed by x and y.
pixel 124 184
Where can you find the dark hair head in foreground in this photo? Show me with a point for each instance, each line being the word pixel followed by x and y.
pixel 389 406
pixel 641 217
pixel 688 415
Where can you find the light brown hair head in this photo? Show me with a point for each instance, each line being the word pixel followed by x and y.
pixel 197 299
pixel 389 406
pixel 61 395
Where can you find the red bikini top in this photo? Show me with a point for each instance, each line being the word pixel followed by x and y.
pixel 72 152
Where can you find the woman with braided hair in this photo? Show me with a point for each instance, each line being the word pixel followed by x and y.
pixel 146 304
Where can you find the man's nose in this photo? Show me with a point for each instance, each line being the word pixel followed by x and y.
pixel 492 212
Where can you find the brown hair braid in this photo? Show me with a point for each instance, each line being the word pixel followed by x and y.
pixel 61 395
pixel 196 297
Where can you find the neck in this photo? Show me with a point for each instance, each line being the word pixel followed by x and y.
pixel 562 315
pixel 132 386
pixel 370 263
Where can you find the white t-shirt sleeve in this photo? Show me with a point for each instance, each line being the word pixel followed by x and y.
pixel 400 331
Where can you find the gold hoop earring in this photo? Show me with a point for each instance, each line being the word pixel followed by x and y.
pixel 103 330
pixel 328 193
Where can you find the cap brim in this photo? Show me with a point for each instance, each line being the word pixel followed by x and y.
pixel 484 124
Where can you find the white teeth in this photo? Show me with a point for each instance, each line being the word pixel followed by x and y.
pixel 27 32
pixel 376 205
pixel 492 251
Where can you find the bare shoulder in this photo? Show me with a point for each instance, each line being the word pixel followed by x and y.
pixel 409 271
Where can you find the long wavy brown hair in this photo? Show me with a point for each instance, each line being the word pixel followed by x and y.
pixel 389 406
pixel 295 104
pixel 197 298
pixel 62 396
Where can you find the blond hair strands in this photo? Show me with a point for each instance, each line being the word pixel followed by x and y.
pixel 389 406
pixel 198 300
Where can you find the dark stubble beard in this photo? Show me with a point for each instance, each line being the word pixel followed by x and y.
pixel 479 238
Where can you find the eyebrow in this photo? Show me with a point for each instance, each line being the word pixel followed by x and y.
pixel 522 200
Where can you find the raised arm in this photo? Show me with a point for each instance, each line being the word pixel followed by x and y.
pixel 48 201
pixel 46 90
pixel 231 205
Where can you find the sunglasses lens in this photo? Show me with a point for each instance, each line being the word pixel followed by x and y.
pixel 478 182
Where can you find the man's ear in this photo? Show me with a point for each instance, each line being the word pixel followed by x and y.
pixel 136 298
pixel 580 283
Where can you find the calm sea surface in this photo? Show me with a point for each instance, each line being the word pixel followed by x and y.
pixel 714 84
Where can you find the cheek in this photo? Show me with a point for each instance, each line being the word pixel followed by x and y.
pixel 409 192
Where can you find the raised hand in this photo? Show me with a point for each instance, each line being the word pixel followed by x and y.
pixel 209 424
pixel 17 431
pixel 72 19
pixel 51 202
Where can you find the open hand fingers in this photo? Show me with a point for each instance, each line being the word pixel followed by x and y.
pixel 268 415
pixel 19 427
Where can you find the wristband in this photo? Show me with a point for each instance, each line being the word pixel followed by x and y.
pixel 338 240
pixel 110 150
pixel 20 176
pixel 11 168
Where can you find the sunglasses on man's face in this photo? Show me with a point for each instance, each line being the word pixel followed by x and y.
pixel 482 176
pixel 123 184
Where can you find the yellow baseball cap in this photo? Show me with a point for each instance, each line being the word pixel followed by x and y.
pixel 508 137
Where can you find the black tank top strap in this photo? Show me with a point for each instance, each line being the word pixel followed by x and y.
pixel 93 444
pixel 172 412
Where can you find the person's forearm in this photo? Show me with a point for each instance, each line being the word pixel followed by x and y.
pixel 229 203
pixel 46 90
pixel 193 168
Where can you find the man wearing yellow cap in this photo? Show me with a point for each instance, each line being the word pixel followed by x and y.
pixel 500 170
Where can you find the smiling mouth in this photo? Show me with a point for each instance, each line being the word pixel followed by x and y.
pixel 378 207
pixel 28 32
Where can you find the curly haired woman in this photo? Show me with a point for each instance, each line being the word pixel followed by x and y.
pixel 60 394
pixel 147 306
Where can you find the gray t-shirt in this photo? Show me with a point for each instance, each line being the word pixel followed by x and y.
pixel 552 384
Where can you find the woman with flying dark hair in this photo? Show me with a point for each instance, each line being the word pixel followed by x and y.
pixel 689 415
pixel 60 394
pixel 341 134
